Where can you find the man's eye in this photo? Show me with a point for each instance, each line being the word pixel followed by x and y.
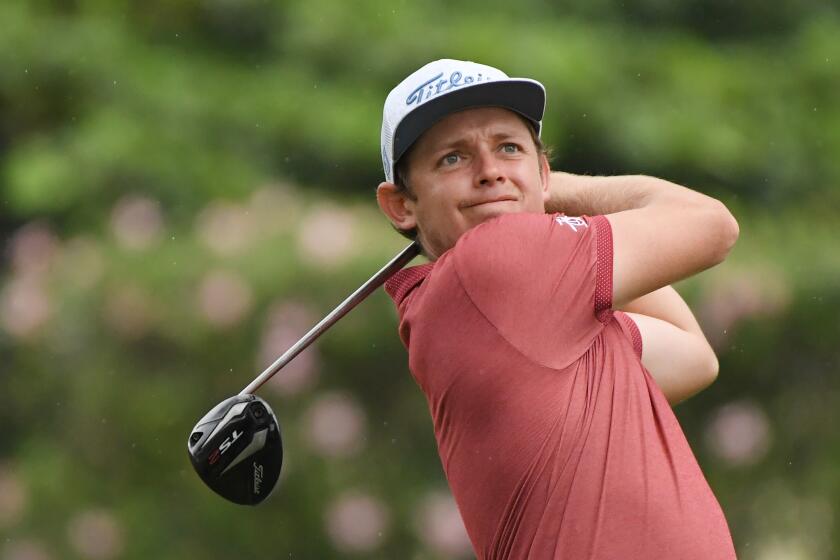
pixel 510 148
pixel 450 159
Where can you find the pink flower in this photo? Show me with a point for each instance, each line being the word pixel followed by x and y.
pixel 336 425
pixel 285 325
pixel 739 433
pixel 356 523
pixel 327 236
pixel 440 526
pixel 96 534
pixel 224 299
pixel 137 222
pixel 13 497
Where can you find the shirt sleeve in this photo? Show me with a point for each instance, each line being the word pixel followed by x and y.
pixel 543 281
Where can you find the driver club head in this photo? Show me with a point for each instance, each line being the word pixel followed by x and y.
pixel 236 449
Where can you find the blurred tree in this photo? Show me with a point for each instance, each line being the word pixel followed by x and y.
pixel 185 187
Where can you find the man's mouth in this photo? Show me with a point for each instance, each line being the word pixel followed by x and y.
pixel 491 200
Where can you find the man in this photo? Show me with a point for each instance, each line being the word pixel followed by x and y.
pixel 550 406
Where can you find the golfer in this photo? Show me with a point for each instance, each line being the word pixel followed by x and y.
pixel 544 332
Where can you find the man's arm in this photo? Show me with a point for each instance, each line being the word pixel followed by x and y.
pixel 674 349
pixel 661 232
pixel 666 304
pixel 681 363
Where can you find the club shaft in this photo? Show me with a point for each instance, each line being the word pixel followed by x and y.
pixel 343 308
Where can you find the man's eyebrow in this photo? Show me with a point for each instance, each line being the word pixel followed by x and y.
pixel 449 144
pixel 505 134
pixel 496 136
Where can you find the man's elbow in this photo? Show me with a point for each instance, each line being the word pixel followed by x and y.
pixel 720 231
pixel 705 373
pixel 723 229
pixel 706 366
pixel 712 369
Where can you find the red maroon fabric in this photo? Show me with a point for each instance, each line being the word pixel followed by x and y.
pixel 631 330
pixel 555 440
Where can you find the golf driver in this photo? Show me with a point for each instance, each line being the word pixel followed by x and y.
pixel 236 448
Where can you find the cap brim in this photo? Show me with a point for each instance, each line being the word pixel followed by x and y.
pixel 526 97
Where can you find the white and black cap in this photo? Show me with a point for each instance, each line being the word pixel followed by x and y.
pixel 446 86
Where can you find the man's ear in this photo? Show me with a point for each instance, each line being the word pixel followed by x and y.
pixel 397 205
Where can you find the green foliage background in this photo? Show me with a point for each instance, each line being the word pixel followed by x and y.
pixel 197 105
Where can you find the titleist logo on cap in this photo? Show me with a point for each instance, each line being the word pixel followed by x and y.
pixel 437 85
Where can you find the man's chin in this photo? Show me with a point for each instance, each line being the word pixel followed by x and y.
pixel 484 212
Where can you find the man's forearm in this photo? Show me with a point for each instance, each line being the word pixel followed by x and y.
pixel 674 349
pixel 666 304
pixel 591 195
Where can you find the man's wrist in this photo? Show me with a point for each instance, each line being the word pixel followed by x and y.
pixel 592 195
pixel 566 193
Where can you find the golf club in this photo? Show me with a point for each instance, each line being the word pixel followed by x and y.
pixel 236 448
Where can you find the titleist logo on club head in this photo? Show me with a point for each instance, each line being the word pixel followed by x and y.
pixel 258 478
pixel 438 85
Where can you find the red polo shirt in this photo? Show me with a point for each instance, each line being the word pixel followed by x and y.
pixel 555 440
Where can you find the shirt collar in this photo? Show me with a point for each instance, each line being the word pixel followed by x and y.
pixel 400 284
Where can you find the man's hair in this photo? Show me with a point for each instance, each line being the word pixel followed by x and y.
pixel 401 175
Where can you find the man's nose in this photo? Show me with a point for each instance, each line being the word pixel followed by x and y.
pixel 489 172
